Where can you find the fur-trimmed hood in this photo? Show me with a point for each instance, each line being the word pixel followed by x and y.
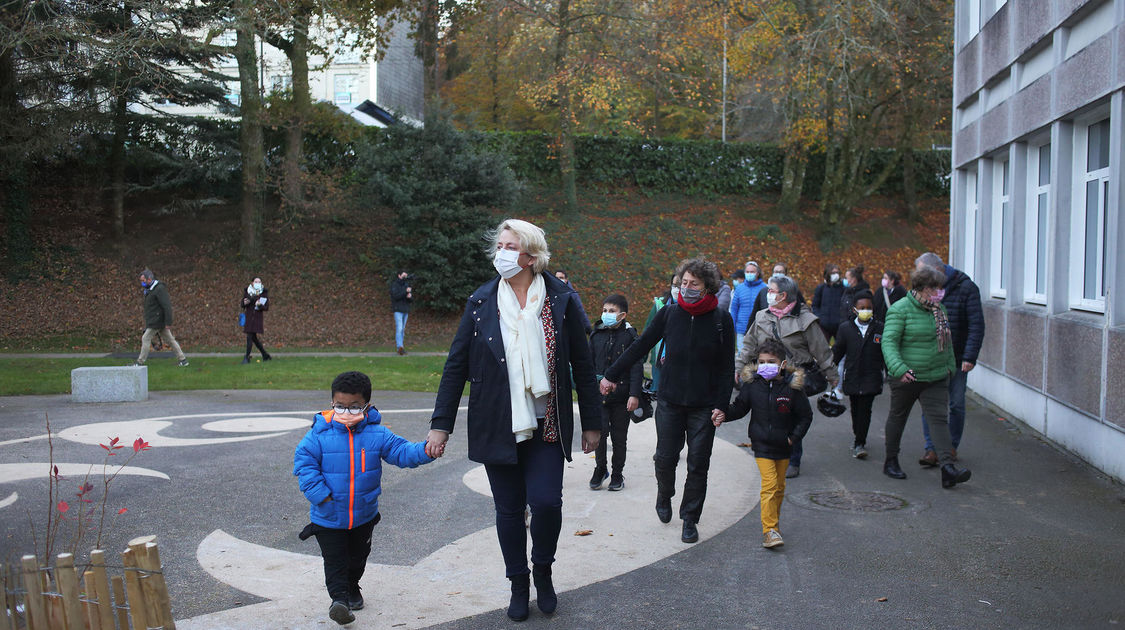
pixel 795 374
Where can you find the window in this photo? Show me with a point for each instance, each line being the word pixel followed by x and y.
pixel 1088 220
pixel 235 98
pixel 343 85
pixel 974 8
pixel 1038 207
pixel 998 246
pixel 972 204
pixel 280 83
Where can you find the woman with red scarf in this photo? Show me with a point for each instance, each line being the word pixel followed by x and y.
pixel 695 386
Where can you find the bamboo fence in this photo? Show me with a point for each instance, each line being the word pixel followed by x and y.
pixel 41 598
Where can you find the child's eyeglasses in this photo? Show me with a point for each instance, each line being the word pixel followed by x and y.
pixel 349 410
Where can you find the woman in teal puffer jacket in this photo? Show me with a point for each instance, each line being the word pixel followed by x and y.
pixel 918 351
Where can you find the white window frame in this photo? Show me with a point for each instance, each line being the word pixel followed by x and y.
pixel 998 235
pixel 1037 229
pixel 972 208
pixel 973 7
pixel 1079 225
pixel 350 84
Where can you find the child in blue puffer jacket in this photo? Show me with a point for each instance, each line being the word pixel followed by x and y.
pixel 338 465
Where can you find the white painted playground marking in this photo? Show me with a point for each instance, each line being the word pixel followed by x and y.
pixel 11 498
pixel 257 424
pixel 466 576
pixel 149 430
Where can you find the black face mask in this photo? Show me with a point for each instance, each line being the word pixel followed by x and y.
pixel 691 296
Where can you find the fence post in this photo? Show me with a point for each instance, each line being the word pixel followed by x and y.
pixel 91 603
pixel 67 580
pixel 33 601
pixel 162 602
pixel 119 596
pixel 101 588
pixel 133 586
pixel 6 604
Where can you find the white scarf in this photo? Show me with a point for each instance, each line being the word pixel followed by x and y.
pixel 525 351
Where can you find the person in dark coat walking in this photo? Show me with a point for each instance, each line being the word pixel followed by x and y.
pixel 961 298
pixel 859 345
pixel 695 386
pixel 890 292
pixel 158 318
pixel 402 295
pixel 611 336
pixel 521 347
pixel 853 284
pixel 255 302
pixel 826 300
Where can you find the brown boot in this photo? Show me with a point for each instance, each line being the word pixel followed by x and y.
pixel 929 460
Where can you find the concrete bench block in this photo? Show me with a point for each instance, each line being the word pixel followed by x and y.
pixel 109 384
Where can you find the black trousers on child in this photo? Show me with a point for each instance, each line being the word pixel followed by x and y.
pixel 345 554
pixel 861 416
pixel 615 425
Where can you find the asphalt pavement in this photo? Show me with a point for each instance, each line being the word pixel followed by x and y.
pixel 1035 540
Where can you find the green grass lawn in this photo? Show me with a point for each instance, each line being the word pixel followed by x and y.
pixel 52 376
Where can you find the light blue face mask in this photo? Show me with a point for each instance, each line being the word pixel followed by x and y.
pixel 845 282
pixel 609 319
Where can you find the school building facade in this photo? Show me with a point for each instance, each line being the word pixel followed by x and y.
pixel 1036 212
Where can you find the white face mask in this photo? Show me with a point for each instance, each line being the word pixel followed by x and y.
pixel 257 287
pixel 834 277
pixel 507 263
pixel 771 298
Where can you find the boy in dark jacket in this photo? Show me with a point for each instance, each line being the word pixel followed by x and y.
pixel 859 342
pixel 338 467
pixel 780 415
pixel 612 334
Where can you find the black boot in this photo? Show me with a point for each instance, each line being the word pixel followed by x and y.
pixel 690 533
pixel 664 509
pixel 521 593
pixel 266 356
pixel 892 469
pixel 952 475
pixel 545 596
pixel 245 360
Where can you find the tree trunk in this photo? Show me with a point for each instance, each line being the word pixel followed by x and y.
pixel 792 183
pixel 251 142
pixel 14 193
pixel 428 42
pixel 566 131
pixel 117 164
pixel 293 190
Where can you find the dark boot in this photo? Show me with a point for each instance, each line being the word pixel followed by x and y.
pixel 340 613
pixel 664 509
pixel 245 360
pixel 690 533
pixel 355 598
pixel 521 593
pixel 266 356
pixel 952 475
pixel 892 469
pixel 545 596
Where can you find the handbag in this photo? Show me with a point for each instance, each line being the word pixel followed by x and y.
pixel 242 319
pixel 644 411
pixel 815 382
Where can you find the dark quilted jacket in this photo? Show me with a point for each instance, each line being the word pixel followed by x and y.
pixel 966 317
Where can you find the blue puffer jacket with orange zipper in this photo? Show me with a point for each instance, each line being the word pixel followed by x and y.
pixel 345 467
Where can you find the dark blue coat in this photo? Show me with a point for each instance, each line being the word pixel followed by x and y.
pixel 826 304
pixel 966 317
pixel 477 357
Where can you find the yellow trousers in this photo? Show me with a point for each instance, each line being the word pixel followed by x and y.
pixel 773 490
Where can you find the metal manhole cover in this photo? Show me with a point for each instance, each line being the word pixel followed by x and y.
pixel 845 501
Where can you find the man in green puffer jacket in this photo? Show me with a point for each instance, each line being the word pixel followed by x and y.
pixel 918 351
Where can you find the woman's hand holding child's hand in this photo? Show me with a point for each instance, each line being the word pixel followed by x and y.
pixel 435 443
pixel 717 417
pixel 606 387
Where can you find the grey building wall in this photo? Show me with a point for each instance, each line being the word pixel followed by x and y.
pixel 1029 72
pixel 400 76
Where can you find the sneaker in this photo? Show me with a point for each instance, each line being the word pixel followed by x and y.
pixel 401 351
pixel 616 482
pixel 794 471
pixel 772 539
pixel 136 364
pixel 859 452
pixel 929 460
pixel 596 481
pixel 340 613
pixel 183 363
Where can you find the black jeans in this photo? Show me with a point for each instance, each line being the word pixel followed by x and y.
pixel 676 425
pixel 615 425
pixel 252 338
pixel 536 481
pixel 345 554
pixel 861 416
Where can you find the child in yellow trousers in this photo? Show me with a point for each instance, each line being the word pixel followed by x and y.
pixel 780 415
